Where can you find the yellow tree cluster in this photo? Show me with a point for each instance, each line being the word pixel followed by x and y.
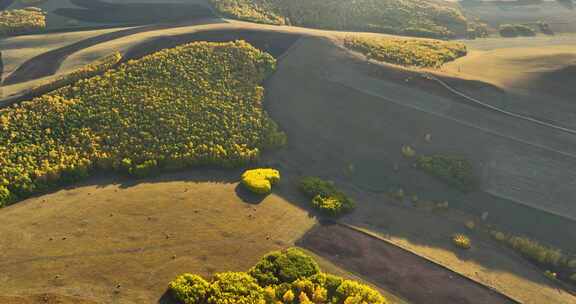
pixel 410 17
pixel 196 104
pixel 408 52
pixel 279 278
pixel 260 180
pixel 21 21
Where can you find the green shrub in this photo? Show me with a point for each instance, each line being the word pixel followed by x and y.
pixel 235 287
pixel 455 171
pixel 189 289
pixel 551 275
pixel 408 52
pixel 408 151
pixel 284 267
pixel 325 197
pixel 5 196
pixel 260 180
pixel 516 30
pixel 533 250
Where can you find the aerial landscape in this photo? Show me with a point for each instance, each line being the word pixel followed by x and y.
pixel 288 151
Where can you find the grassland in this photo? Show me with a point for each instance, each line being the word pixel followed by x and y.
pixel 408 52
pixel 407 17
pixel 139 236
pixel 217 119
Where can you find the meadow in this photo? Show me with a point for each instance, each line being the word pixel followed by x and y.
pixel 169 110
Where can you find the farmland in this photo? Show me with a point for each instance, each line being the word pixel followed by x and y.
pixel 138 146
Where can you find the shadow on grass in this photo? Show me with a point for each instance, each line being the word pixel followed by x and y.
pixel 249 197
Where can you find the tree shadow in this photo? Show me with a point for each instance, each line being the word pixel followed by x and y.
pixel 167 298
pixel 249 197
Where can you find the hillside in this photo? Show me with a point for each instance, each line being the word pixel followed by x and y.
pixel 168 110
pixel 405 17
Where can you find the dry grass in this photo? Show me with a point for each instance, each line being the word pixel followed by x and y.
pixel 85 241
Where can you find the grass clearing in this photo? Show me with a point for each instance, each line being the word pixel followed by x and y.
pixel 140 235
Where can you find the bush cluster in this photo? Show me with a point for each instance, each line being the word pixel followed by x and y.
pixel 461 241
pixel 516 30
pixel 288 277
pixel 408 52
pixel 173 109
pixel 453 170
pixel 325 197
pixel 260 180
pixel 406 17
pixel 20 21
pixel 561 264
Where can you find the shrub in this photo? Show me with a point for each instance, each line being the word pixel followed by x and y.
pixel 5 196
pixel 351 292
pixel 461 241
pixel 20 21
pixel 284 267
pixel 169 107
pixel 471 225
pixel 325 197
pixel 455 171
pixel 516 30
pixel 235 287
pixel 551 275
pixel 407 52
pixel 408 151
pixel 545 256
pixel 189 289
pixel 260 180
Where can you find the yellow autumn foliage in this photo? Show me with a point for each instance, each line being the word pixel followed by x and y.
pixel 260 180
pixel 196 104
pixel 408 52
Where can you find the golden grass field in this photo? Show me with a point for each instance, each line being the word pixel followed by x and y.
pixel 84 242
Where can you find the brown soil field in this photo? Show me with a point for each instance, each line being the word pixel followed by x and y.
pixel 414 278
pixel 115 241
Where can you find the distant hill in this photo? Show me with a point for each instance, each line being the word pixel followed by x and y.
pixel 423 18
